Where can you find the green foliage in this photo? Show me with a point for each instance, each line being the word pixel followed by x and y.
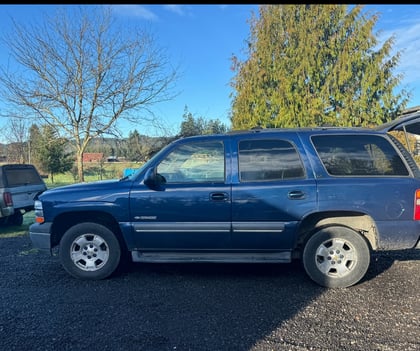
pixel 34 141
pixel 12 231
pixel 198 125
pixel 191 126
pixel 215 126
pixel 136 149
pixel 310 65
pixel 93 172
pixel 50 150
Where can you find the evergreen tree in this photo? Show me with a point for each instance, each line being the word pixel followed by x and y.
pixel 311 65
pixel 191 126
pixel 215 126
pixel 35 139
pixel 198 125
pixel 136 150
pixel 51 153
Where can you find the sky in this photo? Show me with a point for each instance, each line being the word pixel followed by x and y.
pixel 201 40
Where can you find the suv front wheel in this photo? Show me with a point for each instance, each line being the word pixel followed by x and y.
pixel 89 251
pixel 336 257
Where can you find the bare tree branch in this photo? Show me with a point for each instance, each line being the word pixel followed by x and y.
pixel 81 74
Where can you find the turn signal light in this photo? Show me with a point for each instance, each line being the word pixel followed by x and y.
pixel 39 219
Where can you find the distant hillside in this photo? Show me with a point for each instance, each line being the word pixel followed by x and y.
pixel 19 152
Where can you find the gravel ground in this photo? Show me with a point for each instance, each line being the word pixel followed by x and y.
pixel 205 307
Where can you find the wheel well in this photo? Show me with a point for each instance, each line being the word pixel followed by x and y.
pixel 66 220
pixel 359 222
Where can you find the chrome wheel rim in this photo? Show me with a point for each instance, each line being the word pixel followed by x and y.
pixel 336 258
pixel 89 252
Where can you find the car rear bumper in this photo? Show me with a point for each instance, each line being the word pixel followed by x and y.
pixel 6 211
pixel 40 235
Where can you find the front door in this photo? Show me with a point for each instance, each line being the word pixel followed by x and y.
pixel 192 209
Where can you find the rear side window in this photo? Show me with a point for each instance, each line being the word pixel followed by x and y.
pixel 359 155
pixel 268 160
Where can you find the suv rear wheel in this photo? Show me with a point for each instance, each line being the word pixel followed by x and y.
pixel 336 257
pixel 89 251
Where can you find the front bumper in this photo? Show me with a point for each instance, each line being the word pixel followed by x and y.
pixel 40 235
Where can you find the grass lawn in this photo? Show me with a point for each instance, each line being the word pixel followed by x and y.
pixel 93 172
pixel 9 231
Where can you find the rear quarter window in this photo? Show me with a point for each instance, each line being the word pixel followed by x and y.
pixel 359 155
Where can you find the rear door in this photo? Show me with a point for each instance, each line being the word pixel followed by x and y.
pixel 272 191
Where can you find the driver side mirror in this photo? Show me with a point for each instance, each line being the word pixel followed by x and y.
pixel 153 179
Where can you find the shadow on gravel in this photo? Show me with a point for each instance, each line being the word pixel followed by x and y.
pixel 380 262
pixel 146 307
pixel 153 307
pixel 227 306
pixel 213 306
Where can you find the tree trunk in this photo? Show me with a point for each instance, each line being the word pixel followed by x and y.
pixel 80 173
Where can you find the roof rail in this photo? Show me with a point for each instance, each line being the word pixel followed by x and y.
pixel 410 110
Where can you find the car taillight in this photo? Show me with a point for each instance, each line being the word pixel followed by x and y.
pixel 7 198
pixel 417 205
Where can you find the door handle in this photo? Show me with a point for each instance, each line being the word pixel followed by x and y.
pixel 296 194
pixel 219 196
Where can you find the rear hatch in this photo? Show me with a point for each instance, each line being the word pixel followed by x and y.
pixel 24 183
pixel 408 125
pixel 406 130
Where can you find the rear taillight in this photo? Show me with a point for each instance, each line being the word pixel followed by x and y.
pixel 417 205
pixel 7 198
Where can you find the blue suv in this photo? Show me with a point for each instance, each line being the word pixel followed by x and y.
pixel 325 196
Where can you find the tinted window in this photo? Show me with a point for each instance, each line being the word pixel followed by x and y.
pixel 194 162
pixel 267 160
pixel 22 176
pixel 358 155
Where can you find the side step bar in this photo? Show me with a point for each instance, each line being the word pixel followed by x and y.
pixel 185 257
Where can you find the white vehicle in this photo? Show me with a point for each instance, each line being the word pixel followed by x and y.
pixel 19 185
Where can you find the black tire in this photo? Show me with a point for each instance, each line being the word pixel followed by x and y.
pixel 16 218
pixel 89 251
pixel 336 257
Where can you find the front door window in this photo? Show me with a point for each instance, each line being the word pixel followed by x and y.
pixel 194 163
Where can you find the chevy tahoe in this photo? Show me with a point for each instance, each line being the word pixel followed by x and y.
pixel 325 196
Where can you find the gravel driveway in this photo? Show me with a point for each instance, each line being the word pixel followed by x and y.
pixel 205 307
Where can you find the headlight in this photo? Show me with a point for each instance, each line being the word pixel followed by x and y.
pixel 39 212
